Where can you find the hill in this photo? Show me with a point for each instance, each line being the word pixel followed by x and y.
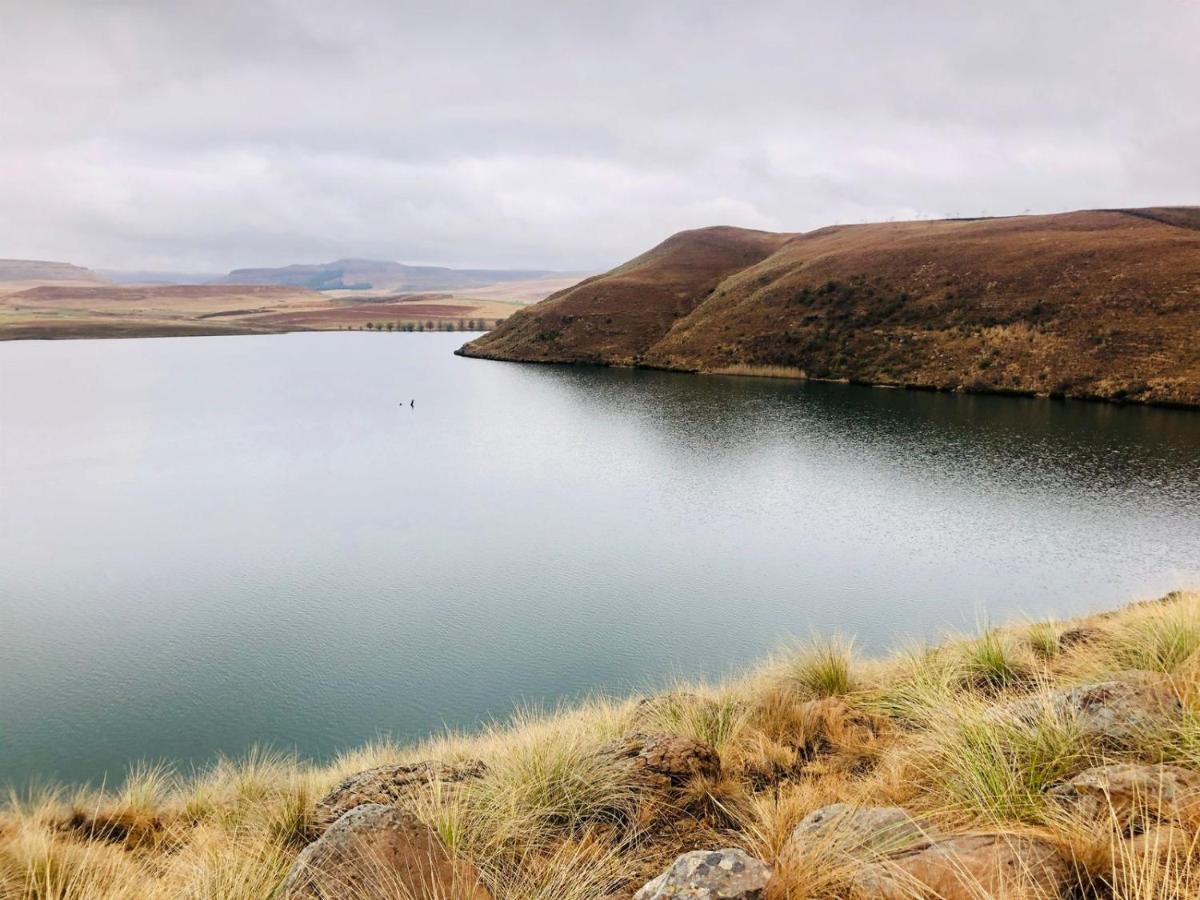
pixel 369 274
pixel 1101 304
pixel 37 271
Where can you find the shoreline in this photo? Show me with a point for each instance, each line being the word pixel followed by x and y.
pixel 469 353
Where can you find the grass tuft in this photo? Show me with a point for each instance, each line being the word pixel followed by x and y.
pixel 996 766
pixel 1043 639
pixel 1162 638
pixel 823 668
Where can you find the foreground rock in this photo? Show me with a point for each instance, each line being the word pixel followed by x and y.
pixel 710 875
pixel 378 852
pixel 1131 793
pixel 863 831
pixel 664 762
pixel 1114 713
pixel 967 868
pixel 386 785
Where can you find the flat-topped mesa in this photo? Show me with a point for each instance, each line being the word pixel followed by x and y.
pixel 33 270
pixel 1101 304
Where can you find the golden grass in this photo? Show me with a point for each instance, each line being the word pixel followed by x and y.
pixel 553 817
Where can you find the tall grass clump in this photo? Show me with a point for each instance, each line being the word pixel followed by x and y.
pixel 996 765
pixel 581 869
pixel 1043 639
pixel 823 667
pixel 719 720
pixel 915 686
pixel 547 780
pixel 1159 638
pixel 991 662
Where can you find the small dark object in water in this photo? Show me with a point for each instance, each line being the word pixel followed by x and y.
pixel 412 403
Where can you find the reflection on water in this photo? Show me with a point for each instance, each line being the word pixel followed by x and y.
pixel 209 543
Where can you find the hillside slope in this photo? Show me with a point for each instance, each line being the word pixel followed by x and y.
pixel 1099 304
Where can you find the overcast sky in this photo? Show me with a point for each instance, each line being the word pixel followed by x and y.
pixel 206 135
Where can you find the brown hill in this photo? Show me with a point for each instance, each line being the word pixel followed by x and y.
pixel 1100 304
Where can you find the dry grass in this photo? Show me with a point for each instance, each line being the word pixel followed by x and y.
pixel 554 818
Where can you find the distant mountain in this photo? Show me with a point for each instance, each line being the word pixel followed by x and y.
pixel 153 276
pixel 372 274
pixel 1099 304
pixel 43 270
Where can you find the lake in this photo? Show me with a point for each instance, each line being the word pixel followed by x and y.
pixel 210 543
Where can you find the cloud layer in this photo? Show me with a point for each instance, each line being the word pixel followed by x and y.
pixel 208 135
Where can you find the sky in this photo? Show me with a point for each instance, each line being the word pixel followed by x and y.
pixel 206 135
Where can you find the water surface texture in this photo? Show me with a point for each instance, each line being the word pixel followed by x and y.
pixel 208 543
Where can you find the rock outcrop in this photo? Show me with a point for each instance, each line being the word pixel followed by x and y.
pixel 858 831
pixel 386 785
pixel 967 868
pixel 379 852
pixel 1131 793
pixel 662 762
pixel 1113 713
pixel 710 875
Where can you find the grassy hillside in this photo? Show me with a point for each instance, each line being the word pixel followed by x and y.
pixel 1102 304
pixel 992 736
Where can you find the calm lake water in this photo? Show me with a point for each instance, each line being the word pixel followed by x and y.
pixel 208 543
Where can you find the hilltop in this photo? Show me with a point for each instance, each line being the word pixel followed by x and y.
pixel 1101 304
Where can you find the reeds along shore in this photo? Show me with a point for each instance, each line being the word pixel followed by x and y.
pixel 971 736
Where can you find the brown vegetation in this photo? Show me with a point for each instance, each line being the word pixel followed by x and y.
pixel 1102 304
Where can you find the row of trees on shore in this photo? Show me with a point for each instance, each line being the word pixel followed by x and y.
pixel 430 325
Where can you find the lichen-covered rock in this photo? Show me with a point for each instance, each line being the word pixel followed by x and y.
pixel 1114 713
pixel 666 761
pixel 1128 793
pixel 859 831
pixel 710 875
pixel 384 784
pixel 967 868
pixel 379 852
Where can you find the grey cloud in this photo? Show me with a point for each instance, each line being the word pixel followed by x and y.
pixel 208 135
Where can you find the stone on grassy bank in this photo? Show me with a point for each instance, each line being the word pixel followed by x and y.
pixel 710 875
pixel 663 762
pixel 1114 713
pixel 1131 793
pixel 386 785
pixel 966 868
pixel 380 852
pixel 863 831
